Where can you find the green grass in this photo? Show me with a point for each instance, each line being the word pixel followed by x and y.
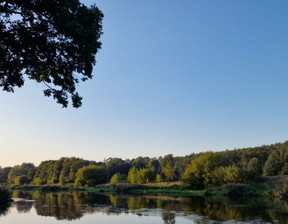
pixel 165 191
pixel 99 189
pixel 266 187
pixel 149 189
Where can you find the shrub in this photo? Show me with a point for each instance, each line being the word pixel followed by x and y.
pixel 118 178
pixel 199 173
pixel 133 175
pixel 146 175
pixel 142 176
pixel 38 181
pixel 159 178
pixel 90 176
pixel 21 180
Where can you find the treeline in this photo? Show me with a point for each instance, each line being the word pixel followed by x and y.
pixel 198 171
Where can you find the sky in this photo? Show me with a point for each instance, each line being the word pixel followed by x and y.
pixel 172 77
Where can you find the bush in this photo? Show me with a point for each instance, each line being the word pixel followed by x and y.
pixel 133 175
pixel 159 178
pixel 90 176
pixel 146 175
pixel 118 178
pixel 38 181
pixel 21 180
pixel 142 176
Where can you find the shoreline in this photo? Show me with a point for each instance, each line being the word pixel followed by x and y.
pixel 119 189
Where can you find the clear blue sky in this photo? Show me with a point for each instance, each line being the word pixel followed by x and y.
pixel 172 77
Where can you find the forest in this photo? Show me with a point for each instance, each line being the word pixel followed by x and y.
pixel 197 170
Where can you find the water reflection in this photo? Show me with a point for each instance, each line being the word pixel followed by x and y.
pixel 73 205
pixel 4 208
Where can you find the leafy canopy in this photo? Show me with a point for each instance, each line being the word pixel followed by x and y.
pixel 52 42
pixel 90 176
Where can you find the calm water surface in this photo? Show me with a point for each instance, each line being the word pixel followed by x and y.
pixel 79 207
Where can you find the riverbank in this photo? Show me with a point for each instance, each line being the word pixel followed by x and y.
pixel 267 187
pixel 120 189
pixel 163 189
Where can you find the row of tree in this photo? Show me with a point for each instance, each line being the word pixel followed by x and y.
pixel 198 171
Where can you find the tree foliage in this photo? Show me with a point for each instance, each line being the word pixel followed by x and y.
pixel 140 162
pixel 52 42
pixel 4 174
pixel 92 175
pixel 167 167
pixel 133 175
pixel 20 180
pixel 199 171
pixel 199 174
pixel 155 165
pixel 61 171
pixel 117 165
pixel 118 178
pixel 277 162
pixel 141 176
pixel 25 169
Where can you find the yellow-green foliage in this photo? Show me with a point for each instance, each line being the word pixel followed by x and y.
pixel 232 174
pixel 118 178
pixel 90 176
pixel 168 167
pixel 145 175
pixel 20 180
pixel 61 171
pixel 133 175
pixel 25 169
pixel 159 178
pixel 207 171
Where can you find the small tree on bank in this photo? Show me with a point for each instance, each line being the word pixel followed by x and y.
pixel 118 178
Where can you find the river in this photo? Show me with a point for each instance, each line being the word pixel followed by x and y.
pixel 81 207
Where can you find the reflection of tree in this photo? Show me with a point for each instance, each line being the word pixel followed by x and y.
pixel 136 203
pixel 4 208
pixel 119 202
pixel 59 205
pixel 72 205
pixel 5 200
pixel 168 218
pixel 231 210
pixel 23 206
pixel 22 194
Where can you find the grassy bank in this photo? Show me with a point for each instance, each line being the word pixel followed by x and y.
pixel 58 188
pixel 266 187
pixel 164 188
pixel 169 189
